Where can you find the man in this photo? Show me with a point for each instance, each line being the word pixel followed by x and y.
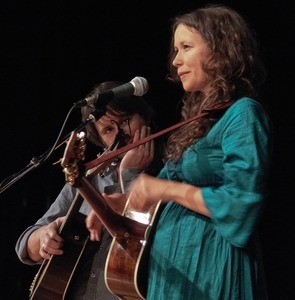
pixel 126 120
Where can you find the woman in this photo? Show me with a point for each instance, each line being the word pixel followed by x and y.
pixel 215 177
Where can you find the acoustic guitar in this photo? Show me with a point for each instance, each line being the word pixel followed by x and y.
pixel 127 261
pixel 54 275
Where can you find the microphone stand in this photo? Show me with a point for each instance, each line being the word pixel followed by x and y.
pixel 37 161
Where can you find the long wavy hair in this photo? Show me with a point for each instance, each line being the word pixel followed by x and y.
pixel 234 69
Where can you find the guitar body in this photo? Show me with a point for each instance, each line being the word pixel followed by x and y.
pixel 126 271
pixel 54 276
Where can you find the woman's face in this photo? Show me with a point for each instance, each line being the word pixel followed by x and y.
pixel 107 126
pixel 191 50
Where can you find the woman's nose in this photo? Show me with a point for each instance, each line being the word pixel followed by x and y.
pixel 177 60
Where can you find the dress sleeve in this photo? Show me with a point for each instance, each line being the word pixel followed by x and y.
pixel 235 205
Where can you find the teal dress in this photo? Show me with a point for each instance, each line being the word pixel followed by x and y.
pixel 217 258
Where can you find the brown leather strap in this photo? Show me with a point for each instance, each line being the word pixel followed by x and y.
pixel 111 155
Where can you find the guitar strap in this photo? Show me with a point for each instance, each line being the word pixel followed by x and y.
pixel 108 157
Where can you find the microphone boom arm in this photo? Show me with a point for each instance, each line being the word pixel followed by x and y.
pixel 36 161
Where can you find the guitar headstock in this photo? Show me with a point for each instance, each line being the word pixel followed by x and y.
pixel 73 155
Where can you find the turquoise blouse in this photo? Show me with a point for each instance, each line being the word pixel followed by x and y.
pixel 194 257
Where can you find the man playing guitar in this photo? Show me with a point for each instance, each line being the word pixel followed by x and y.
pixel 125 120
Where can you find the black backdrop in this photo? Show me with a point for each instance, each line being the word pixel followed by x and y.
pixel 52 55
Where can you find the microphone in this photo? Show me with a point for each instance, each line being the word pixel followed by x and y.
pixel 138 86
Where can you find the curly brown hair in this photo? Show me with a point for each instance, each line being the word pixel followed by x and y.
pixel 234 69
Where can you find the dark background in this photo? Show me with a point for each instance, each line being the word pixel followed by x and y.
pixel 51 56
